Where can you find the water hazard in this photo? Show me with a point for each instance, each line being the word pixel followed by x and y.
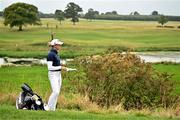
pixel 152 57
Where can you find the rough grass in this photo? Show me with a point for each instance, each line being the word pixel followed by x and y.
pixel 171 69
pixel 88 38
pixel 36 76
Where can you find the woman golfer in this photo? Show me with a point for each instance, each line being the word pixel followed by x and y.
pixel 54 72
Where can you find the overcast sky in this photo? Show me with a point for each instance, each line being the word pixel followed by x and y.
pixel 166 7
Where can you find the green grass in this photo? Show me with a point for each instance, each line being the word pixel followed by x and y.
pixel 173 69
pixel 13 77
pixel 10 113
pixel 88 38
pixel 36 76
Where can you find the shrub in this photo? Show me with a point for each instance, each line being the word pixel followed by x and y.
pixel 117 49
pixel 166 26
pixel 169 26
pixel 125 79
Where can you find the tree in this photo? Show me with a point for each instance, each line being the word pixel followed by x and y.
pixel 102 13
pixel 111 13
pixel 162 20
pixel 131 13
pixel 59 15
pixel 72 11
pixel 91 14
pixel 114 13
pixel 21 14
pixel 155 13
pixel 136 13
pixel 96 12
pixel 46 15
pixel 1 13
pixel 108 13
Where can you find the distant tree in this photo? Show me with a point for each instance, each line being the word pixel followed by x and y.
pixel 108 13
pixel 59 15
pixel 46 15
pixel 131 13
pixel 1 13
pixel 102 13
pixel 72 11
pixel 114 13
pixel 20 14
pixel 162 20
pixel 136 13
pixel 154 13
pixel 81 15
pixel 111 13
pixel 96 12
pixel 91 14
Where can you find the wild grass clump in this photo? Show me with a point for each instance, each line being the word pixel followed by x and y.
pixel 77 102
pixel 8 98
pixel 125 79
pixel 117 49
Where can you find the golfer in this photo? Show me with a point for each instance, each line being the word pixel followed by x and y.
pixel 54 72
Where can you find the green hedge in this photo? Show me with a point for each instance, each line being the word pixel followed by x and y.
pixel 135 17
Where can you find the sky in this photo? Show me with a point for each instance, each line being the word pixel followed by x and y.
pixel 124 7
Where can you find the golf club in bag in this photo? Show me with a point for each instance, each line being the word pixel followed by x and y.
pixel 27 99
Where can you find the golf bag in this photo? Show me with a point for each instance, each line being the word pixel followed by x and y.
pixel 27 99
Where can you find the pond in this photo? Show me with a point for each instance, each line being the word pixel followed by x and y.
pixel 152 57
pixel 155 57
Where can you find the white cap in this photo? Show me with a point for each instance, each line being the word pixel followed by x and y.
pixel 55 42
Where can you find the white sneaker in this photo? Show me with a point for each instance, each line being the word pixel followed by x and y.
pixel 46 107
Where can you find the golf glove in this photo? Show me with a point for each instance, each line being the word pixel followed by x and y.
pixel 70 69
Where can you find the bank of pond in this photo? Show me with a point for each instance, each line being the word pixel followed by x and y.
pixel 152 57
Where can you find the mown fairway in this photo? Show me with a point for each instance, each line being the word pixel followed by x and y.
pixel 87 38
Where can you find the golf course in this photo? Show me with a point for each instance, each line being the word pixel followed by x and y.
pixel 86 38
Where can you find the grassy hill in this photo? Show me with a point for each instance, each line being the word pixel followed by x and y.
pixel 88 38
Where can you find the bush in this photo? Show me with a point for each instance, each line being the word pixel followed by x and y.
pixel 169 26
pixel 117 49
pixel 125 79
pixel 165 26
